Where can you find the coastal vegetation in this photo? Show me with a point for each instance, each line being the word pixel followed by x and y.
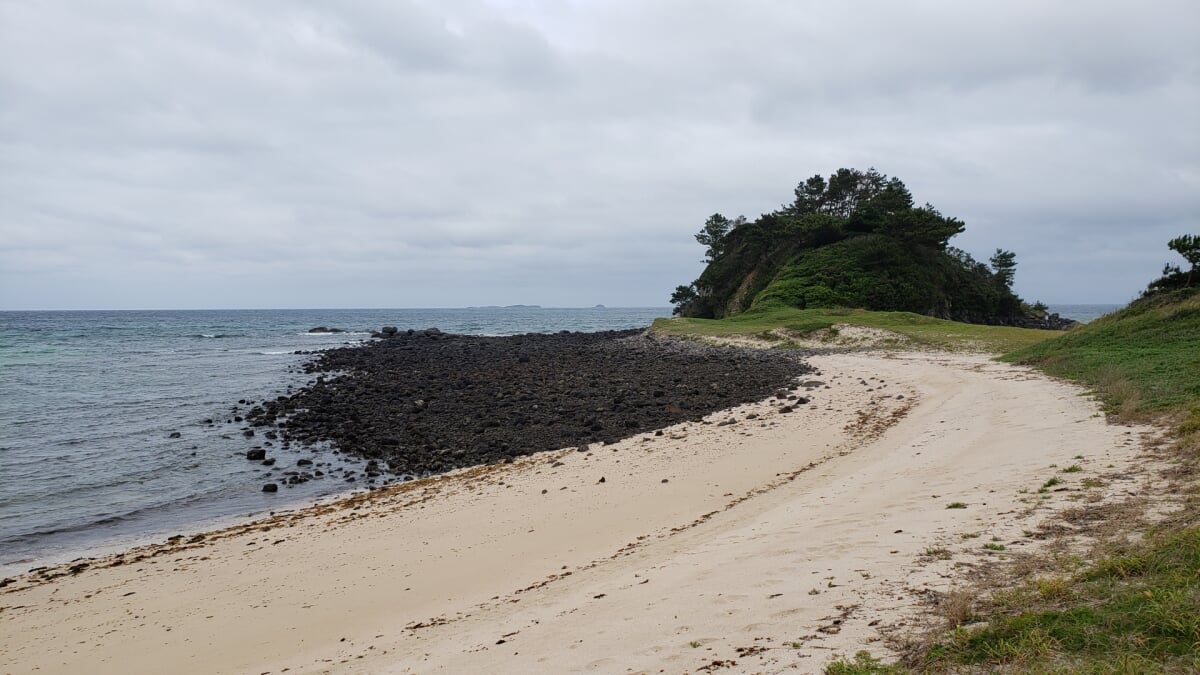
pixel 1132 604
pixel 856 239
pixel 922 331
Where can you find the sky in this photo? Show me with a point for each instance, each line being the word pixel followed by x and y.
pixel 422 153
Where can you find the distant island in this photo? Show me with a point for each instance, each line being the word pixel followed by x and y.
pixel 505 307
pixel 856 239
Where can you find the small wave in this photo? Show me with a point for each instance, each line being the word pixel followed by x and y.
pixel 276 353
pixel 215 336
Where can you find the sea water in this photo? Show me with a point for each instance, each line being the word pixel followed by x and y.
pixel 120 426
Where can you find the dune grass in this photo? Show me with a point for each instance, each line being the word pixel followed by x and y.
pixel 924 330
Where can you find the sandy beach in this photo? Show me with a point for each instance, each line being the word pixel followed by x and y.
pixel 758 540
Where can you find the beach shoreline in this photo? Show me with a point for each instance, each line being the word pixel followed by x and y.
pixel 772 542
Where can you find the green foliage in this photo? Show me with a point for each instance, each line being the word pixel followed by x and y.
pixel 1004 265
pixel 878 272
pixel 924 330
pixel 1141 359
pixel 1188 246
pixel 862 664
pixel 1173 277
pixel 853 240
pixel 1142 603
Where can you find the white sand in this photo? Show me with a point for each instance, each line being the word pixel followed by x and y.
pixel 774 544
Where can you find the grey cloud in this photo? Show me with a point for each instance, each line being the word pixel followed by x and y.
pixel 269 153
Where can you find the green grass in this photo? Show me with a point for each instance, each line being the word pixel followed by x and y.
pixel 921 329
pixel 862 664
pixel 1141 360
pixel 1141 606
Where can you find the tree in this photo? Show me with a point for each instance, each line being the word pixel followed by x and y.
pixel 1188 246
pixel 713 234
pixel 1004 266
pixel 682 296
pixel 810 195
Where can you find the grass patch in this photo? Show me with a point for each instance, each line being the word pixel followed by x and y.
pixel 923 330
pixel 1141 360
pixel 993 546
pixel 1049 484
pixel 1140 606
pixel 956 505
pixel 939 552
pixel 862 664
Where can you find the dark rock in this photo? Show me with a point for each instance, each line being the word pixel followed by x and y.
pixel 270 461
pixel 256 453
pixel 270 487
pixel 174 434
pixel 248 433
pixel 428 402
pixel 304 461
pixel 324 329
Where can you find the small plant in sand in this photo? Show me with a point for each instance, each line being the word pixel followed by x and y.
pixel 958 607
pixel 1093 483
pixel 939 552
pixel 993 546
pixel 970 535
pixel 1055 588
pixel 862 664
pixel 1049 484
pixel 956 505
pixel 694 643
pixel 1074 468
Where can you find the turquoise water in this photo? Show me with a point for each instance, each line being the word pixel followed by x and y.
pixel 91 400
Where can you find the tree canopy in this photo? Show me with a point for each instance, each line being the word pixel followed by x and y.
pixel 1173 277
pixel 856 238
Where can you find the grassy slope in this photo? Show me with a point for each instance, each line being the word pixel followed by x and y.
pixel 1137 610
pixel 1144 359
pixel 923 329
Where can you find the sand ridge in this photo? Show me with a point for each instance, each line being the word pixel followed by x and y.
pixel 767 544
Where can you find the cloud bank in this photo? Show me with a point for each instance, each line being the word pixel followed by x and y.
pixel 421 153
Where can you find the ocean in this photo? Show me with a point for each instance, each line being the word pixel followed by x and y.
pixel 121 427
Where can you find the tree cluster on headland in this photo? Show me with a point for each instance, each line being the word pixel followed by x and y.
pixel 854 239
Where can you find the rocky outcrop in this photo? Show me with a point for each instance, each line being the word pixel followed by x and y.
pixel 425 401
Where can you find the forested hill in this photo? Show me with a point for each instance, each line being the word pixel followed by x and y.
pixel 855 239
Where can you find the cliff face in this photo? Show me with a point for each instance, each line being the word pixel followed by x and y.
pixel 855 240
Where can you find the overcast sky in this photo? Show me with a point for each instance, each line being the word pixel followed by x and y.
pixel 392 153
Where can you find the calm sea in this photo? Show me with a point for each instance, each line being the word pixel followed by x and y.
pixel 1084 313
pixel 105 433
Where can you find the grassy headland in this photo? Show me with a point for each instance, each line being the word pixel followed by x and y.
pixel 1133 604
pixel 924 330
